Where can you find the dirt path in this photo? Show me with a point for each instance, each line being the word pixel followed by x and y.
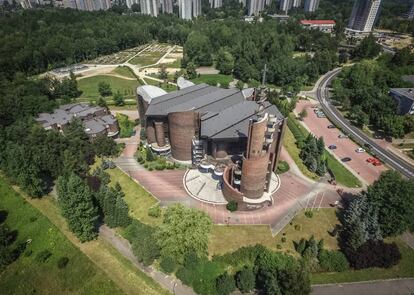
pixel 122 245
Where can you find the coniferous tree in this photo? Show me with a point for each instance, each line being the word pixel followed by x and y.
pixel 76 202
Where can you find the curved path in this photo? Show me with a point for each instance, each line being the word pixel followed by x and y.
pixel 322 93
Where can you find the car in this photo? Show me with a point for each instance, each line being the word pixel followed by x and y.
pixel 346 159
pixel 343 136
pixel 332 147
pixel 368 146
pixel 331 126
pixel 360 150
pixel 377 136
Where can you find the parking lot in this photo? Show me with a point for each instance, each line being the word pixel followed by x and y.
pixel 345 146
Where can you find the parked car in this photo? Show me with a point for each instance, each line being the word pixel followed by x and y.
pixel 346 159
pixel 320 115
pixel 331 126
pixel 374 161
pixel 360 150
pixel 343 136
pixel 332 147
pixel 368 146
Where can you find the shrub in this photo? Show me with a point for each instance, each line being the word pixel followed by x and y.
pixel 309 214
pixel 278 246
pixel 170 166
pixel 146 166
pixel 282 167
pixel 283 240
pixel 232 206
pixel 332 261
pixel 245 280
pixel 225 284
pixel 374 254
pixel 154 211
pixel 168 264
pixel 159 167
pixel 297 227
pixel 43 256
pixel 150 169
pixel 62 262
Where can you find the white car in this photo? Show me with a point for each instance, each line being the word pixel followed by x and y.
pixel 360 150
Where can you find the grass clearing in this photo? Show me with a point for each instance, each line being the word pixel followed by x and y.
pixel 342 175
pixel 230 238
pixel 213 79
pixel 124 71
pixel 89 86
pixel 166 86
pixel 26 275
pixel 289 142
pixel 147 58
pixel 137 198
pixel 405 269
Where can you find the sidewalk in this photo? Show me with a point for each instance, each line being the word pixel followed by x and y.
pixel 385 287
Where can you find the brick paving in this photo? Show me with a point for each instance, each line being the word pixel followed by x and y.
pixel 346 147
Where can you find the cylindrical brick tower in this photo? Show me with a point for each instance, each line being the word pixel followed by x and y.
pixel 150 131
pixel 256 160
pixel 182 128
pixel 159 133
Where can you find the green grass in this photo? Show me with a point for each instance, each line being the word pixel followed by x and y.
pixel 175 64
pixel 342 174
pixel 137 198
pixel 89 86
pixel 126 126
pixel 26 275
pixel 213 79
pixel 147 58
pixel 167 87
pixel 289 142
pixel 124 71
pixel 230 238
pixel 405 269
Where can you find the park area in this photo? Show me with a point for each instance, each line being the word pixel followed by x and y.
pixel 151 55
pixel 118 57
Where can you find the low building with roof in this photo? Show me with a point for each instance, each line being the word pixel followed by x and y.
pixel 96 120
pixel 326 26
pixel 235 133
pixel 404 98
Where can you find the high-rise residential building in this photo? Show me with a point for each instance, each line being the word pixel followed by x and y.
pixel 129 3
pixel 311 5
pixel 410 14
pixel 149 7
pixel 243 2
pixel 187 9
pixel 256 6
pixel 166 6
pixel 363 17
pixel 296 3
pixel 285 5
pixel 216 3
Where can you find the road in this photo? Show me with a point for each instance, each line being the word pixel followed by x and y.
pixel 323 94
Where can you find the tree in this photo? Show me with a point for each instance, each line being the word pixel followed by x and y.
pixel 119 99
pixel 303 114
pixel 368 48
pixel 105 146
pixel 225 284
pixel 114 208
pixel 190 71
pixel 162 72
pixel 224 62
pixel 104 89
pixel 245 280
pixel 183 230
pixel 102 102
pixel 76 202
pixel 135 7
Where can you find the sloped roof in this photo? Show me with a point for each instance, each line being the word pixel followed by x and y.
pixel 317 22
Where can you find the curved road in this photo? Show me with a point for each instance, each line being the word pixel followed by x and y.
pixel 322 93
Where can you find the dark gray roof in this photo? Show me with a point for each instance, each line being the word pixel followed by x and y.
pixel 225 113
pixel 404 98
pixel 408 78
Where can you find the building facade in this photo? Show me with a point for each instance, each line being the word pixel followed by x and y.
pixel 363 17
pixel 404 97
pixel 166 6
pixel 256 6
pixel 326 26
pixel 296 3
pixel 311 5
pixel 410 13
pixel 150 7
pixel 216 3
pixel 285 5
pixel 189 9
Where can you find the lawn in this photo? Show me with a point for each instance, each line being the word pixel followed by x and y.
pixel 213 79
pixel 26 275
pixel 126 126
pixel 342 174
pixel 175 64
pixel 124 71
pixel 89 86
pixel 137 198
pixel 289 142
pixel 167 87
pixel 405 269
pixel 229 238
pixel 147 58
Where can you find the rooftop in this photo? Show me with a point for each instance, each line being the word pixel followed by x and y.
pixel 405 92
pixel 317 22
pixel 225 113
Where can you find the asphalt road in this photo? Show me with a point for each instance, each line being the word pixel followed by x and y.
pixel 356 134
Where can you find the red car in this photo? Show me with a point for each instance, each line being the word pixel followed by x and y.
pixel 374 161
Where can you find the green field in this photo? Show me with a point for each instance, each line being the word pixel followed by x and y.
pixel 89 86
pixel 124 71
pixel 213 79
pixel 167 87
pixel 147 58
pixel 342 174
pixel 27 275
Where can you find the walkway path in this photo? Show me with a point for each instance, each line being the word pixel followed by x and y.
pixel 122 245
pixel 383 287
